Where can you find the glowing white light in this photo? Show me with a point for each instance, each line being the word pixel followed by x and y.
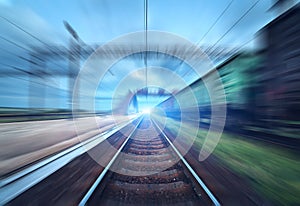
pixel 146 111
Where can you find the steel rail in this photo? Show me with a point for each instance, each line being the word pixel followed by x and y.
pixel 191 170
pixel 101 176
pixel 18 183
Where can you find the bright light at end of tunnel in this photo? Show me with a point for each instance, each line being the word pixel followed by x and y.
pixel 146 111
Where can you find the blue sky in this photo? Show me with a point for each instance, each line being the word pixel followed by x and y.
pixel 103 20
pixel 100 21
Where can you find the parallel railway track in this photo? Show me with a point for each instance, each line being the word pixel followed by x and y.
pixel 146 170
pixel 149 171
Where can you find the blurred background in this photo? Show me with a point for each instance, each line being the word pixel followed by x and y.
pixel 254 46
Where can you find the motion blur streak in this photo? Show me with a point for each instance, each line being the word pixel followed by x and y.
pixel 253 48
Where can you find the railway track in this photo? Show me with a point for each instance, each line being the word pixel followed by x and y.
pixel 148 170
pixel 40 183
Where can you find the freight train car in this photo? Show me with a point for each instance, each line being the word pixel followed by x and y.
pixel 238 79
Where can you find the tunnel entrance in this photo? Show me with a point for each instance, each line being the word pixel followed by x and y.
pixel 145 99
